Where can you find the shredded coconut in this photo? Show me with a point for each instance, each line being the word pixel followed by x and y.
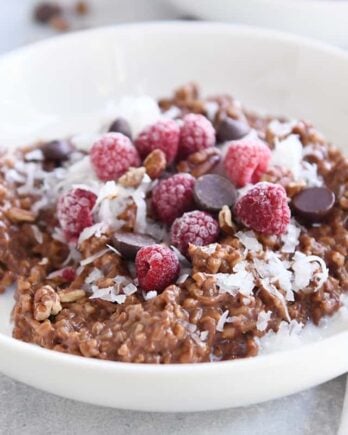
pixel 93 257
pixel 221 322
pixel 35 155
pixel 281 129
pixel 130 289
pixel 273 291
pixel 95 230
pixel 309 174
pixel 94 276
pixel 107 294
pixel 288 154
pixel 305 267
pixel 204 335
pixel 149 295
pixel 249 240
pixel 241 281
pixel 182 278
pixel 263 319
pixel 291 238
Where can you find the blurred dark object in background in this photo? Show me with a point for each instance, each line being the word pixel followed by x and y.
pixel 57 16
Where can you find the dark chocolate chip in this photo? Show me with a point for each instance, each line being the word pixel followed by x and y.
pixel 231 129
pixel 45 11
pixel 57 150
pixel 128 244
pixel 121 125
pixel 313 203
pixel 212 192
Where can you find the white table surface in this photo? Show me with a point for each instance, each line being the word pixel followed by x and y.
pixel 24 410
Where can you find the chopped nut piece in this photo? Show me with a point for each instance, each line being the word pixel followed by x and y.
pixel 294 187
pixel 155 163
pixel 59 23
pixel 344 201
pixel 187 92
pixel 225 221
pixel 201 162
pixel 81 8
pixel 71 295
pixel 133 177
pixel 16 214
pixel 46 303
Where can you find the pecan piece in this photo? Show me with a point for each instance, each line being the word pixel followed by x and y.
pixel 225 221
pixel 133 177
pixel 201 162
pixel 71 295
pixel 155 163
pixel 46 303
pixel 16 214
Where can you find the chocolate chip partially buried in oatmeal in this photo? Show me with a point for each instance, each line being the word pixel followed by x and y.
pixel 57 150
pixel 314 203
pixel 128 244
pixel 212 192
pixel 121 125
pixel 231 129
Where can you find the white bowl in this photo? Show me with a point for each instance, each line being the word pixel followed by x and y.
pixel 60 85
pixel 326 20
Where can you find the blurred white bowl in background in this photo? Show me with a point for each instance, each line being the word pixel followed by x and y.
pixel 322 19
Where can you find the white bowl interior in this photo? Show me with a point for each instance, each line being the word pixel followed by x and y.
pixel 326 20
pixel 61 86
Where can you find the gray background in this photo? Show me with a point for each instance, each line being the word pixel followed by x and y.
pixel 24 410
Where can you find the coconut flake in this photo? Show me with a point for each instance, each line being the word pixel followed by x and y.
pixel 241 281
pixel 277 271
pixel 262 320
pixel 221 322
pixel 34 155
pixel 291 238
pixel 281 129
pixel 107 294
pixel 309 174
pixel 80 173
pixel 288 154
pixel 172 113
pixel 37 234
pixel 138 111
pixel 204 335
pixel 95 230
pixel 130 289
pixel 84 141
pixel 182 278
pixel 249 240
pixel 94 275
pixel 211 108
pixel 93 257
pixel 209 249
pixel 305 268
pixel 149 295
pixel 275 292
pixel 114 250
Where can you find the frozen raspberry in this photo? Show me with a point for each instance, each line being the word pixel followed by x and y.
pixel 74 211
pixel 264 208
pixel 195 227
pixel 164 135
pixel 246 161
pixel 197 133
pixel 68 274
pixel 157 267
pixel 112 155
pixel 173 196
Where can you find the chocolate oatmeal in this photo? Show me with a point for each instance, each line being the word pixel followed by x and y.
pixel 184 234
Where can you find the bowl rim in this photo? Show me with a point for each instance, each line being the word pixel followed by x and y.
pixel 23 348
